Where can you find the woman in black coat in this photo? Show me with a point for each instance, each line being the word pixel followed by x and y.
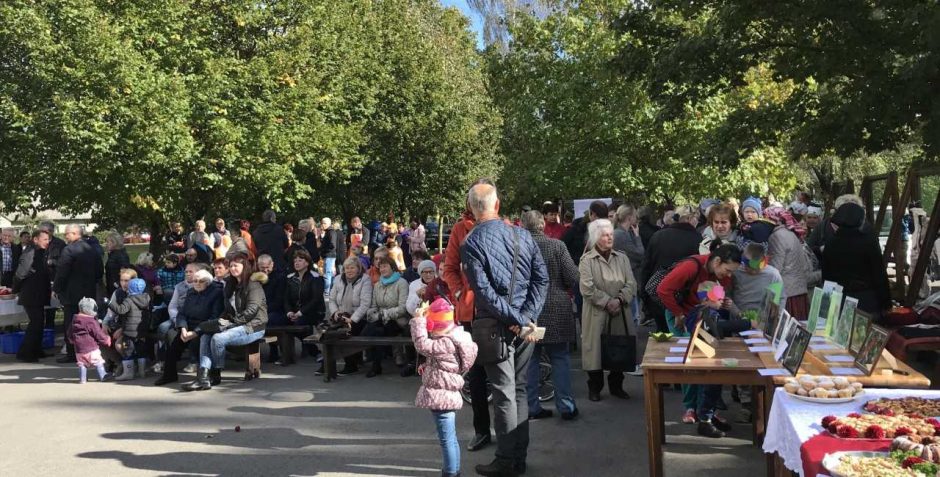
pixel 117 260
pixel 303 300
pixel 203 303
pixel 852 258
pixel 34 285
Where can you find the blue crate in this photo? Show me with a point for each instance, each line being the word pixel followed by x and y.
pixel 48 338
pixel 10 342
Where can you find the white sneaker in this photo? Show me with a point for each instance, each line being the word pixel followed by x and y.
pixel 637 372
pixel 190 368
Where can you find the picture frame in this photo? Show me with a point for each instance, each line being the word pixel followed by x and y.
pixel 843 328
pixel 783 324
pixel 832 314
pixel 701 340
pixel 796 350
pixel 769 315
pixel 871 349
pixel 860 327
pixel 813 319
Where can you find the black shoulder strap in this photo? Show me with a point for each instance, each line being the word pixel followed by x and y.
pixel 515 263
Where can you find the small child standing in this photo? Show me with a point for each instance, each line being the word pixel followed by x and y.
pixel 450 353
pixel 131 308
pixel 87 336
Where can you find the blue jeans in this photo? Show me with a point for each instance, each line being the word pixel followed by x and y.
pixel 699 397
pixel 447 434
pixel 212 347
pixel 561 377
pixel 329 269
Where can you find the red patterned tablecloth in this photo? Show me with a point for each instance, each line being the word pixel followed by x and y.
pixel 815 449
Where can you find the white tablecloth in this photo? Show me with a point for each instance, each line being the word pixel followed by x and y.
pixel 793 422
pixel 11 313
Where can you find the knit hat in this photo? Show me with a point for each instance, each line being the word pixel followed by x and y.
pixel 814 210
pixel 136 286
pixel 754 203
pixel 88 306
pixel 440 315
pixel 426 264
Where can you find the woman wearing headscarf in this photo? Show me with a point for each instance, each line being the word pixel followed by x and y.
pixel 853 259
pixel 789 256
pixel 608 286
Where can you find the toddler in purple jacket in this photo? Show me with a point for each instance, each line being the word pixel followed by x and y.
pixel 450 353
pixel 87 336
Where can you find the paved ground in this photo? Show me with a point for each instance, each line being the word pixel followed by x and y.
pixel 294 424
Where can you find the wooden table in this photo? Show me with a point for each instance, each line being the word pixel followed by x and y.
pixel 657 374
pixel 814 363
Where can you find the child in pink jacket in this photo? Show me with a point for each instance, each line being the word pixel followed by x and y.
pixel 450 353
pixel 86 335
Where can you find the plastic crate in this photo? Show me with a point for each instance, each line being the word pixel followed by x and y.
pixel 10 342
pixel 48 338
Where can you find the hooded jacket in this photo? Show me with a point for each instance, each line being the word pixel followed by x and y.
pixel 250 308
pixel 133 313
pixel 449 357
pixel 86 334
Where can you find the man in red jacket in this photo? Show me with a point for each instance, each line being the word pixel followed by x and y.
pixel 462 298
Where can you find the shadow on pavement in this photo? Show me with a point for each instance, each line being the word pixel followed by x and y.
pixel 258 438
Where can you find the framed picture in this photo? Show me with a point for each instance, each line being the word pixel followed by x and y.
pixel 843 326
pixel 783 324
pixel 860 328
pixel 769 315
pixel 832 313
pixel 870 351
pixel 796 349
pixel 813 319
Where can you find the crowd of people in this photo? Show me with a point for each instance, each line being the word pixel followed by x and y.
pixel 606 273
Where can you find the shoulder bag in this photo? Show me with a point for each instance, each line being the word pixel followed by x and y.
pixel 490 334
pixel 653 283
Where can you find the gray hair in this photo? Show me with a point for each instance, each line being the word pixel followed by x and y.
pixel 200 237
pixel 482 198
pixel 115 240
pixel 47 225
pixel 268 216
pixel 202 276
pixel 81 230
pixel 265 258
pixel 848 199
pixel 145 259
pixel 88 306
pixel 533 221
pixel 625 212
pixel 595 229
pixel 327 222
pixel 353 261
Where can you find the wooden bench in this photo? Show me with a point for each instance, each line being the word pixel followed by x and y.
pixel 284 335
pixel 352 345
pixel 252 354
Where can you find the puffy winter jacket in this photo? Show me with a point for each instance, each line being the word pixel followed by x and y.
pixel 200 306
pixel 789 257
pixel 133 313
pixel 487 258
pixel 449 357
pixel 354 298
pixel 250 309
pixel 388 301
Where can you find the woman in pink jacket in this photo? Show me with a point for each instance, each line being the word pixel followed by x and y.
pixel 450 353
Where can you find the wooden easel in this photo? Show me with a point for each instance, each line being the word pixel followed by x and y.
pixel 702 341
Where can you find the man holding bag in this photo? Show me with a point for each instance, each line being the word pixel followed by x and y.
pixel 507 274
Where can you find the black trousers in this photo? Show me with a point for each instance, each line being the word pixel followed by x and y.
pixel 6 278
pixel 173 354
pixel 481 408
pixel 32 342
pixel 70 311
pixel 377 328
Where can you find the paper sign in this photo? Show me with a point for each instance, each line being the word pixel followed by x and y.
pixel 823 347
pixel 674 359
pixel 752 341
pixel 751 333
pixel 677 349
pixel 846 372
pixel 840 358
pixel 773 372
pixel 683 341
pixel 761 349
pixel 781 348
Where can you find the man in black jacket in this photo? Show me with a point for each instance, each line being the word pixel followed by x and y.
pixel 576 236
pixel 52 259
pixel 667 246
pixel 76 277
pixel 271 239
pixel 328 252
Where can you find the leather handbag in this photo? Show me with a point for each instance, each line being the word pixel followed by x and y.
pixel 330 330
pixel 618 352
pixel 491 335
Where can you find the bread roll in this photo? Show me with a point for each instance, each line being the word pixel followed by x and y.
pixel 826 384
pixel 802 392
pixel 791 387
pixel 845 392
pixel 841 383
pixel 808 385
pixel 857 387
pixel 832 393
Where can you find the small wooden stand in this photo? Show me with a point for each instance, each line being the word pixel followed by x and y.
pixel 703 341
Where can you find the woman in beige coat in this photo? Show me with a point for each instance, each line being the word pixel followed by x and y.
pixel 608 286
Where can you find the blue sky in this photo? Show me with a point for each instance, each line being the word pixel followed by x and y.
pixel 475 19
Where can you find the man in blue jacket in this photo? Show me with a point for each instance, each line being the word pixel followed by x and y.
pixel 496 257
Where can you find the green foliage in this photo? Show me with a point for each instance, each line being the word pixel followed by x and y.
pixel 150 111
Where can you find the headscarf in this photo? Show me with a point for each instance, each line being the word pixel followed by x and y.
pixel 851 216
pixel 798 208
pixel 780 216
pixel 814 210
